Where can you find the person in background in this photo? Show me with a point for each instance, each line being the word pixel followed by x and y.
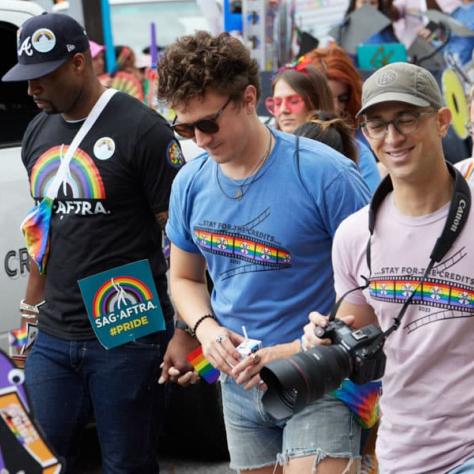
pixel 298 90
pixel 97 53
pixel 142 63
pixel 98 63
pixel 109 210
pixel 427 403
pixel 412 16
pixel 467 166
pixel 125 57
pixel 258 209
pixel 328 128
pixel 387 35
pixel 127 77
pixel 345 87
pixel 462 47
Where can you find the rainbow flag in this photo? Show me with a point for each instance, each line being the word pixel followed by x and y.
pixel 35 228
pixel 202 366
pixel 18 337
pixel 362 400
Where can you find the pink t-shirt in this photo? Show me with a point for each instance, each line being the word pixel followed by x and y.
pixel 427 404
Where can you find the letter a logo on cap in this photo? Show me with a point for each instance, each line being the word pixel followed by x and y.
pixel 25 48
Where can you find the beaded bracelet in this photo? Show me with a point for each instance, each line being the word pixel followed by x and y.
pixel 200 320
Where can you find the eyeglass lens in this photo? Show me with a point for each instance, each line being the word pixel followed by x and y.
pixel 291 102
pixel 405 124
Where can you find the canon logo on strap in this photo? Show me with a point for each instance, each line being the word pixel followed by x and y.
pixel 458 216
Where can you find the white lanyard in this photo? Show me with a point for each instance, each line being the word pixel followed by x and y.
pixel 61 177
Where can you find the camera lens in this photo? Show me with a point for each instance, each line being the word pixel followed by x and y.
pixel 303 378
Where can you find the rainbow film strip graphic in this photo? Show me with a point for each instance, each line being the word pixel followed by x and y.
pixel 202 366
pixel 106 296
pixel 432 292
pixel 242 247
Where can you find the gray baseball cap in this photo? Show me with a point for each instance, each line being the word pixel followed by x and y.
pixel 401 82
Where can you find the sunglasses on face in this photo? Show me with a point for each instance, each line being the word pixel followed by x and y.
pixel 208 125
pixel 292 103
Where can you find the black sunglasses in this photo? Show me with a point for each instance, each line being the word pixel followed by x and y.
pixel 208 125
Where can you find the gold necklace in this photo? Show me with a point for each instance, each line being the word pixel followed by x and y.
pixel 243 187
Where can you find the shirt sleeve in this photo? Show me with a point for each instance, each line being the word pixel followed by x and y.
pixel 347 251
pixel 158 157
pixel 178 228
pixel 345 194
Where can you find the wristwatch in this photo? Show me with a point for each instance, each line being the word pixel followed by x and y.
pixel 180 324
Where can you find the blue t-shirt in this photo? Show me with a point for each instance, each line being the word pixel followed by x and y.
pixel 269 253
pixel 462 47
pixel 368 166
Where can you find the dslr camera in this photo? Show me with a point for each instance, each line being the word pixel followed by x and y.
pixel 302 378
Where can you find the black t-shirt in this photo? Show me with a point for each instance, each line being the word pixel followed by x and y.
pixel 119 178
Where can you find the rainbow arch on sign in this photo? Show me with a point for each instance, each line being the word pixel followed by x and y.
pixel 105 296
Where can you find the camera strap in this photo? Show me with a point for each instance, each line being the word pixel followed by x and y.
pixel 457 217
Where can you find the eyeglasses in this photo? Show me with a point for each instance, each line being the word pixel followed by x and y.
pixel 405 124
pixel 293 103
pixel 207 125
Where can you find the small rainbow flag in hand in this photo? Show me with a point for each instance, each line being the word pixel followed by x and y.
pixel 18 337
pixel 202 366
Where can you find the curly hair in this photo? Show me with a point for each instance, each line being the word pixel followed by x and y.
pixel 310 84
pixel 328 128
pixel 201 62
pixel 337 65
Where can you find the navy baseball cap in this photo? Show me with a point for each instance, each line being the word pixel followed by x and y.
pixel 46 42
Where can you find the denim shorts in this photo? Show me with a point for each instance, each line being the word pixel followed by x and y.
pixel 324 428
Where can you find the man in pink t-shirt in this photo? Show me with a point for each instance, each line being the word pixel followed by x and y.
pixel 427 424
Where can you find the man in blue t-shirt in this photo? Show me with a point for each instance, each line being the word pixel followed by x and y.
pixel 259 209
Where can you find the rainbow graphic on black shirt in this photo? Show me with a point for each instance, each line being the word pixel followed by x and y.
pixel 106 296
pixel 84 178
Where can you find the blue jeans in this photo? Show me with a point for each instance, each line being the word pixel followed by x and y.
pixel 70 382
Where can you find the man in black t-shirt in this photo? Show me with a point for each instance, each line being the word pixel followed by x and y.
pixel 111 202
